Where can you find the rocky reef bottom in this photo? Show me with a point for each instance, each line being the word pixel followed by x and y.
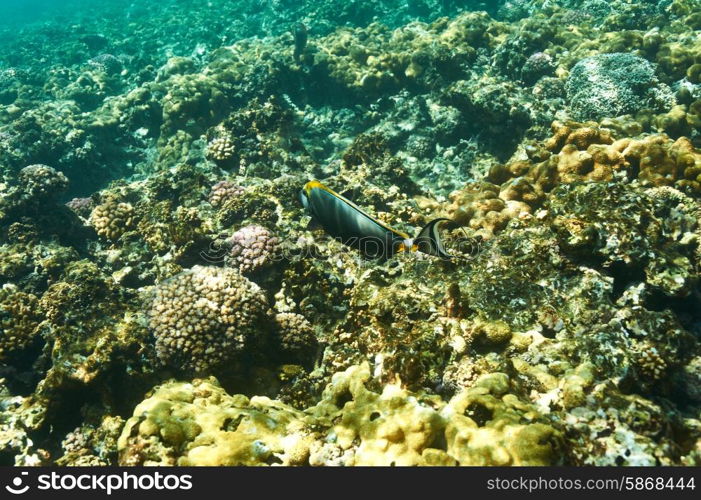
pixel 190 319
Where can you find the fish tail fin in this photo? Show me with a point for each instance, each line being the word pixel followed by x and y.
pixel 428 240
pixel 303 199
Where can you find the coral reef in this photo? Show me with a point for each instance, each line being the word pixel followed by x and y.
pixel 165 299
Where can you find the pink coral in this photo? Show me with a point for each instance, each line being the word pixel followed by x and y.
pixel 251 248
pixel 223 191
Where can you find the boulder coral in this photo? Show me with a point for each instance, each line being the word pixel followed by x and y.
pixel 252 248
pixel 112 218
pixel 205 316
pixel 198 423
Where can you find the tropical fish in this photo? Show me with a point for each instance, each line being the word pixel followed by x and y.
pixel 354 227
pixel 300 37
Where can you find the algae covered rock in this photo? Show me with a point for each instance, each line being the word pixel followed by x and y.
pixel 20 318
pixel 20 418
pixel 657 240
pixel 42 183
pixel 92 445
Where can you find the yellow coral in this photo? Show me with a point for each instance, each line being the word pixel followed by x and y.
pixel 112 218
pixel 575 152
pixel 220 149
pixel 199 424
pixel 488 426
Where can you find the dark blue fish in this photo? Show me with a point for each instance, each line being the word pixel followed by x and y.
pixel 354 227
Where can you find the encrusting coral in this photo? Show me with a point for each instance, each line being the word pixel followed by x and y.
pixel 197 423
pixel 576 152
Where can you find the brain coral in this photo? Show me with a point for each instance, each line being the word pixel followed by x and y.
pixel 608 85
pixel 204 316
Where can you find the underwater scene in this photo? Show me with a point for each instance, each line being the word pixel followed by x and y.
pixel 350 232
